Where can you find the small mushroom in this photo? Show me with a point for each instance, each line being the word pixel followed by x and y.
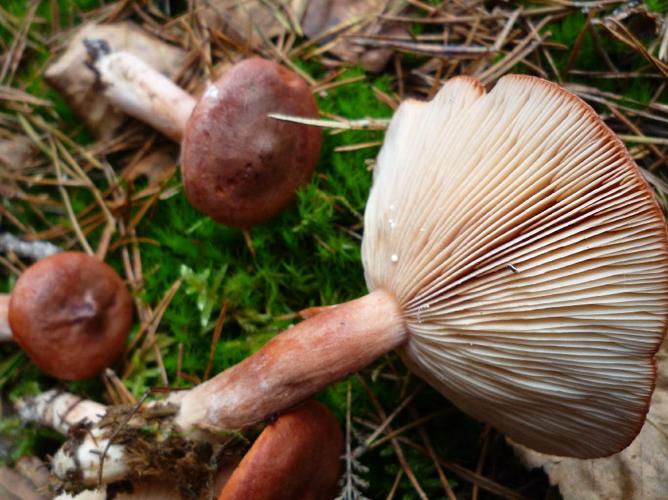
pixel 239 166
pixel 71 313
pixel 517 260
pixel 296 456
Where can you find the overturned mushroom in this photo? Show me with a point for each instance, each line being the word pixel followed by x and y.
pixel 516 259
pixel 70 313
pixel 239 166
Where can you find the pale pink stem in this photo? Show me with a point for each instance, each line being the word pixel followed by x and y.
pixel 144 93
pixel 296 364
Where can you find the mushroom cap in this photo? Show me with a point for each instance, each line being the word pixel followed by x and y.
pixel 71 313
pixel 296 456
pixel 530 260
pixel 239 166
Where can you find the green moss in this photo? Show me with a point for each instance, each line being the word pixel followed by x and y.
pixel 660 6
pixel 17 441
pixel 566 32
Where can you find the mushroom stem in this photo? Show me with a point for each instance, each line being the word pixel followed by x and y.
pixel 144 93
pixel 295 364
pixel 5 331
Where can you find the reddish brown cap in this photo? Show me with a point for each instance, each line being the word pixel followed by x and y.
pixel 71 313
pixel 239 166
pixel 297 456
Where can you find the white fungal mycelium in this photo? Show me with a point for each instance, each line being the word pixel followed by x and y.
pixel 63 411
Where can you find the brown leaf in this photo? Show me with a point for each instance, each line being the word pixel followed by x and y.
pixel 34 470
pixel 69 75
pixel 248 21
pixel 5 331
pixel 156 166
pixel 324 16
pixel 16 152
pixel 14 486
pixel 638 472
pixel 641 21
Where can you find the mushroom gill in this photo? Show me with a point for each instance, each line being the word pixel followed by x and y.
pixel 529 258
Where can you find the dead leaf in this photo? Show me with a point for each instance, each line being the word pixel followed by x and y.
pixel 638 472
pixel 248 21
pixel 16 152
pixel 34 470
pixel 14 486
pixel 69 75
pixel 5 331
pixel 324 16
pixel 150 491
pixel 641 21
pixel 156 166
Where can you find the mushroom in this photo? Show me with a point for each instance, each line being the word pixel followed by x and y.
pixel 516 259
pixel 296 456
pixel 70 313
pixel 239 166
